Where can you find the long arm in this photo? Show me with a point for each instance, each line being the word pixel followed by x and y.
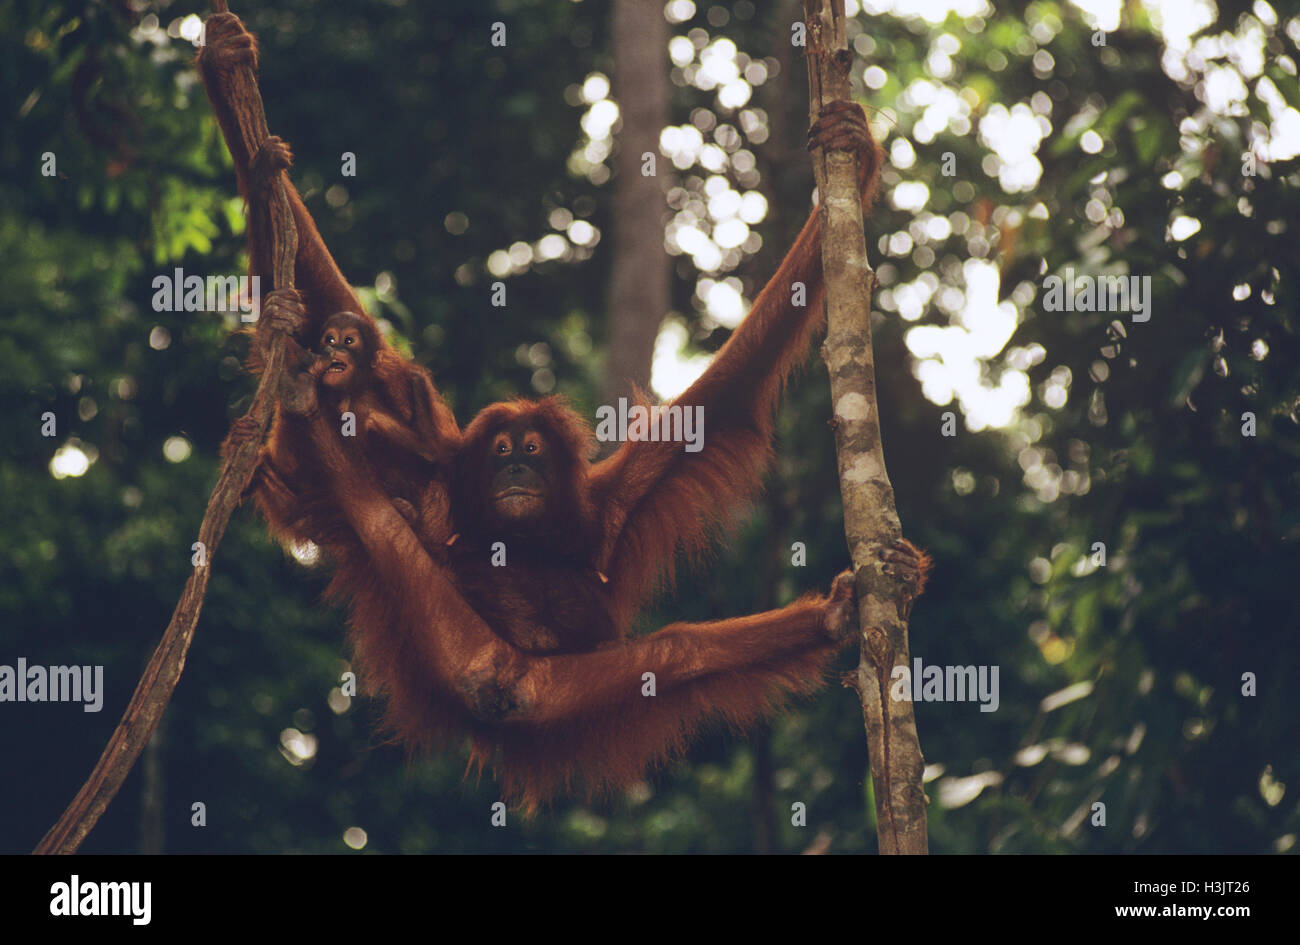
pixel 552 719
pixel 651 493
pixel 544 691
pixel 227 46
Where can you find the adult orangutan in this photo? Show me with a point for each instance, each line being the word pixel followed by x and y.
pixel 518 639
pixel 512 630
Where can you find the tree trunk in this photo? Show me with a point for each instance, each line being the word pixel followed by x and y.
pixel 639 282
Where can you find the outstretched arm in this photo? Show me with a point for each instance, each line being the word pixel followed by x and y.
pixel 657 499
pixel 543 688
pixel 229 46
pixel 546 686
pixel 547 721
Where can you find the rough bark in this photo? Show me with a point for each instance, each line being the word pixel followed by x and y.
pixel 870 517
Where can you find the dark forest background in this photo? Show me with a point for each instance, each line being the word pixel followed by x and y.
pixel 1120 684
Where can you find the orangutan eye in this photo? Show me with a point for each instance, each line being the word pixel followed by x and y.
pixel 531 447
pixel 348 341
pixel 503 448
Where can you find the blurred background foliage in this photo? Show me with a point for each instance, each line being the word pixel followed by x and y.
pixel 1020 146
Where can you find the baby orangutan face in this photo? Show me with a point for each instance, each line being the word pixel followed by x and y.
pixel 347 344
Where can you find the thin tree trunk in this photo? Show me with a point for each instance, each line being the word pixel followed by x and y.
pixel 640 279
pixel 870 518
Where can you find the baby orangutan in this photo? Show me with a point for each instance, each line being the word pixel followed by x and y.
pixel 355 383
